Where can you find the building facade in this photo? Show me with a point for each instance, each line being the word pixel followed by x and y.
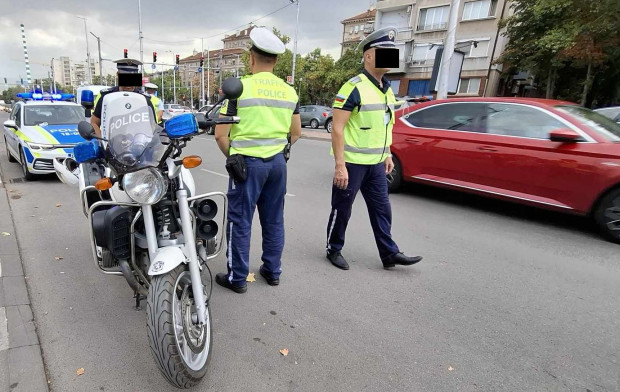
pixel 69 73
pixel 356 28
pixel 240 40
pixel 227 62
pixel 421 29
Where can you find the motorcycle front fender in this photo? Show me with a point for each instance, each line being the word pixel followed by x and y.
pixel 166 259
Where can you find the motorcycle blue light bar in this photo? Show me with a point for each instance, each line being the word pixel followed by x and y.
pixel 87 151
pixel 88 97
pixel 181 126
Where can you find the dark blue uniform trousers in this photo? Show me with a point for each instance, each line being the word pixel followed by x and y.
pixel 264 188
pixel 371 180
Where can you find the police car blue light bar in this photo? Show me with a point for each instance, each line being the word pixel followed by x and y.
pixel 37 96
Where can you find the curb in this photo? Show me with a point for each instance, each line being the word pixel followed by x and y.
pixel 21 359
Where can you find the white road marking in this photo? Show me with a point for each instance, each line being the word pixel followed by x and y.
pixel 205 138
pixel 226 176
pixel 216 173
pixel 4 330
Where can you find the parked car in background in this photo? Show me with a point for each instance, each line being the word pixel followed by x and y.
pixel 550 154
pixel 316 116
pixel 171 110
pixel 612 112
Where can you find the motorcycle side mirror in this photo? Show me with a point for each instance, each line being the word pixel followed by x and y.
pixel 201 119
pixel 232 88
pixel 86 130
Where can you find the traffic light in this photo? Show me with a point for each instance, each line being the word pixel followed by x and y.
pixel 202 61
pixel 177 59
pixel 124 53
pixel 154 57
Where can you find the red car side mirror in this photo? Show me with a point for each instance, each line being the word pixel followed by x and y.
pixel 564 135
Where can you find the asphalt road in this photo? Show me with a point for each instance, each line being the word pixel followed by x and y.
pixel 508 298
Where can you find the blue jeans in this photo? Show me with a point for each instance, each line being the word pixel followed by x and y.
pixel 264 188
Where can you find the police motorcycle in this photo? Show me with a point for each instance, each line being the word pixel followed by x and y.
pixel 149 225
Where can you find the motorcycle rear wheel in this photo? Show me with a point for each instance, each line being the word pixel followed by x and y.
pixel 181 349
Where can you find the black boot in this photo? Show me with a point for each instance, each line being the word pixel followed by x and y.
pixel 222 280
pixel 270 281
pixel 337 260
pixel 400 259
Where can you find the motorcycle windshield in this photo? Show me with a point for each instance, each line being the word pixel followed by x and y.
pixel 132 133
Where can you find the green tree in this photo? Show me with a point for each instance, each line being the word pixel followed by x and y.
pixel 566 44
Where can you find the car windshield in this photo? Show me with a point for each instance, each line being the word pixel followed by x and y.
pixel 595 121
pixel 53 114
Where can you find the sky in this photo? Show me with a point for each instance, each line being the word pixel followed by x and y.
pixel 169 27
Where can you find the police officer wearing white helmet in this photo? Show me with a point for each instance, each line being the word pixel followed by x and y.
pixel 269 112
pixel 158 104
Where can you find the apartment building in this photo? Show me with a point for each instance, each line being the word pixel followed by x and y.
pixel 70 73
pixel 421 28
pixel 356 28
pixel 227 62
pixel 240 40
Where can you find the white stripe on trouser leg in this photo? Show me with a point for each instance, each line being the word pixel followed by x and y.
pixel 230 275
pixel 331 229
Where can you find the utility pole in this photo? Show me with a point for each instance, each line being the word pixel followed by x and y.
pixel 53 76
pixel 99 49
pixel 202 74
pixel 448 51
pixel 221 65
pixel 295 45
pixel 26 59
pixel 208 76
pixel 90 76
pixel 162 84
pixel 140 36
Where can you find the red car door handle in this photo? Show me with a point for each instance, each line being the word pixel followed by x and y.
pixel 487 148
pixel 412 140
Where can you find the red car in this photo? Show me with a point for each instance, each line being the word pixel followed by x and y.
pixel 551 154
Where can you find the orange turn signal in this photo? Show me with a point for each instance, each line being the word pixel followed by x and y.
pixel 103 184
pixel 192 161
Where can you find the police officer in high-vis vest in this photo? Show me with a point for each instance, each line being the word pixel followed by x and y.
pixel 269 113
pixel 361 138
pixel 158 104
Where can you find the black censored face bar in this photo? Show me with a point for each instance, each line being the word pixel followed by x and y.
pixel 386 58
pixel 129 79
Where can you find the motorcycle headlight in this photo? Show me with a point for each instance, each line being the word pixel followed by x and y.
pixel 146 186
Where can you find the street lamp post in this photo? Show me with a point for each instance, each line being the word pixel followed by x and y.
pixel 90 77
pixel 448 51
pixel 295 44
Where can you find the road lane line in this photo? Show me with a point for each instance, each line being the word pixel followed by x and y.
pixel 4 331
pixel 226 176
pixel 216 173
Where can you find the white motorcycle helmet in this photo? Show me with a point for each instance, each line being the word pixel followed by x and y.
pixel 67 170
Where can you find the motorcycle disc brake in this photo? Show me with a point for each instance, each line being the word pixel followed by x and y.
pixel 195 335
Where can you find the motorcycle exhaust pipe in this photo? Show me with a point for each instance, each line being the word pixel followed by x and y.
pixel 131 278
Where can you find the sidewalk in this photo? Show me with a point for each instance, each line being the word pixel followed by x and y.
pixel 316 135
pixel 21 362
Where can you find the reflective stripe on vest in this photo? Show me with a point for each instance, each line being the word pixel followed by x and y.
pixel 266 109
pixel 269 103
pixel 374 151
pixel 257 142
pixel 367 137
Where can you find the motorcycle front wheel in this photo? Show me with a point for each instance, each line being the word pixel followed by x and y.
pixel 182 349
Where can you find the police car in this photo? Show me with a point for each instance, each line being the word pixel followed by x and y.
pixel 41 128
